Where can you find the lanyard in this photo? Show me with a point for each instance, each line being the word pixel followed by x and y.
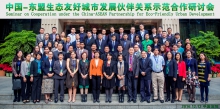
pixel 156 60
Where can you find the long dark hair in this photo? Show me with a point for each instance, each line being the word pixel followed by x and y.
pixel 15 59
pixel 167 54
pixel 206 59
pixel 181 58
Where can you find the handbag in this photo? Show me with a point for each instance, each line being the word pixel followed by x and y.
pixel 16 84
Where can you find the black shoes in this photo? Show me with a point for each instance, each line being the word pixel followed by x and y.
pixel 94 100
pixel 142 100
pixel 129 100
pixel 134 101
pixel 56 100
pixel 97 100
pixel 161 101
pixel 61 100
pixel 148 101
pixel 168 99
pixel 85 98
pixel 154 100
pixel 172 101
pixel 15 100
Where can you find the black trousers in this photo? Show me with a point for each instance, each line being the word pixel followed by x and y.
pixel 206 89
pixel 26 88
pixel 17 93
pixel 145 89
pixel 170 83
pixel 59 83
pixel 132 86
pixel 36 88
pixel 96 80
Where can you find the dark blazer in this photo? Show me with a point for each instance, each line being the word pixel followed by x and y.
pixel 121 38
pixel 127 46
pixel 56 69
pixel 44 57
pixel 171 37
pixel 117 37
pixel 111 46
pixel 82 36
pixel 55 55
pixel 193 65
pixel 34 69
pixel 89 44
pixel 46 66
pixel 145 32
pixel 74 44
pixel 175 42
pixel 102 46
pixel 95 37
pixel 155 46
pixel 207 70
pixel 90 55
pixel 45 44
pixel 124 54
pixel 51 37
pixel 104 57
pixel 106 37
pixel 172 69
pixel 129 37
pixel 145 67
pixel 134 64
pixel 152 37
pixel 64 47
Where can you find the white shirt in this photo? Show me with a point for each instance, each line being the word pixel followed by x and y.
pixel 50 60
pixel 41 50
pixel 73 37
pixel 61 62
pixel 42 36
pixel 96 62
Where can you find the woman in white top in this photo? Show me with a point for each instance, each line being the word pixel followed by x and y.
pixel 41 47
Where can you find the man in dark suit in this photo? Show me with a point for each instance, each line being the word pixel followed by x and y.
pixel 104 36
pixel 145 70
pixel 142 32
pixel 46 39
pixel 94 33
pixel 77 46
pixel 176 39
pixel 125 43
pixel 53 34
pixel 170 36
pixel 132 75
pixel 40 37
pixel 104 55
pixel 159 31
pixel 67 44
pixel 77 40
pixel 60 49
pixel 131 36
pixel 81 50
pixel 121 33
pixel 60 71
pixel 89 40
pixel 120 51
pixel 112 30
pixel 154 33
pixel 164 38
pixel 91 53
pixel 113 44
pixel 100 43
pixel 82 34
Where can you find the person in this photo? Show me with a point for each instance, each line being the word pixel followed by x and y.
pixel 50 45
pixel 45 55
pixel 177 39
pixel 163 37
pixel 58 39
pixel 167 46
pixel 132 35
pixel 81 50
pixel 146 42
pixel 133 72
pixel 145 71
pixel 104 56
pixel 67 44
pixel 91 53
pixel 77 40
pixel 137 51
pixel 72 76
pixel 82 34
pixel 48 83
pixel 187 40
pixel 68 54
pixel 149 51
pixel 142 32
pixel 170 72
pixel 160 31
pixel 63 36
pixel 89 41
pixel 72 35
pixel 26 83
pixel 157 75
pixel 180 48
pixel 121 33
pixel 174 50
pixel 113 44
pixel 188 47
pixel 36 78
pixel 35 51
pixel 95 73
pixel 59 50
pixel 94 33
pixel 100 43
pixel 53 34
pixel 170 36
pixel 55 48
pixel 46 39
pixel 121 72
pixel 40 37
pixel 108 82
pixel 192 75
pixel 204 74
pixel 104 36
pixel 113 33
pixel 16 68
pixel 120 51
pixel 137 41
pixel 156 43
pixel 84 76
pixel 126 43
pixel 41 48
pixel 181 76
pixel 60 71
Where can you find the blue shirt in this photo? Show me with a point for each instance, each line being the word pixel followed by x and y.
pixel 180 50
pixel 157 63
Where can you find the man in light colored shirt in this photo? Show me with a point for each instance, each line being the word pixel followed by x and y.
pixel 157 75
pixel 72 35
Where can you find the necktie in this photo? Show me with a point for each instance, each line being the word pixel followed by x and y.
pixel 132 38
pixel 100 43
pixel 113 45
pixel 67 45
pixel 103 37
pixel 124 44
pixel 130 63
pixel 88 40
pixel 120 36
pixel 45 42
pixel 143 60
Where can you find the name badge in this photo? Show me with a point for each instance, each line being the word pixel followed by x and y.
pixel 99 47
pixel 157 66
pixel 39 71
pixel 112 49
pixel 61 70
pixel 50 69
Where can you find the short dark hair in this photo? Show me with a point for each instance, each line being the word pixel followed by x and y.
pixel 120 45
pixel 169 28
pixel 156 48
pixel 81 42
pixel 41 28
pixel 177 34
pixel 164 31
pixel 54 27
pixel 125 34
pixel 60 53
pixel 153 28
pixel 89 31
pixel 160 27
pixel 70 46
pixel 39 53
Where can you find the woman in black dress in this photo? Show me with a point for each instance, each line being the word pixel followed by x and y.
pixel 16 68
pixel 109 69
pixel 84 76
pixel 121 71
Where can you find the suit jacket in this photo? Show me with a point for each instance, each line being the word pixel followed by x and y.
pixel 38 38
pixel 46 66
pixel 161 41
pixel 104 57
pixel 126 46
pixel 135 64
pixel 90 55
pixel 137 54
pixel 74 44
pixel 152 37
pixel 102 46
pixel 172 69
pixel 121 36
pixel 57 69
pixel 106 38
pixel 89 44
pixel 55 55
pixel 171 37
pixel 117 37
pixel 141 37
pixel 78 54
pixel 113 48
pixel 124 54
pixel 64 46
pixel 95 36
pixel 51 37
pixel 146 67
pixel 45 43
pixel 82 36
pixel 129 37
pixel 175 42
pixel 155 46
pixel 95 70
pixel 34 69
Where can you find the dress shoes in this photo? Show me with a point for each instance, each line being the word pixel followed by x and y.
pixel 134 101
pixel 97 100
pixel 148 101
pixel 172 101
pixel 161 101
pixel 56 100
pixel 168 99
